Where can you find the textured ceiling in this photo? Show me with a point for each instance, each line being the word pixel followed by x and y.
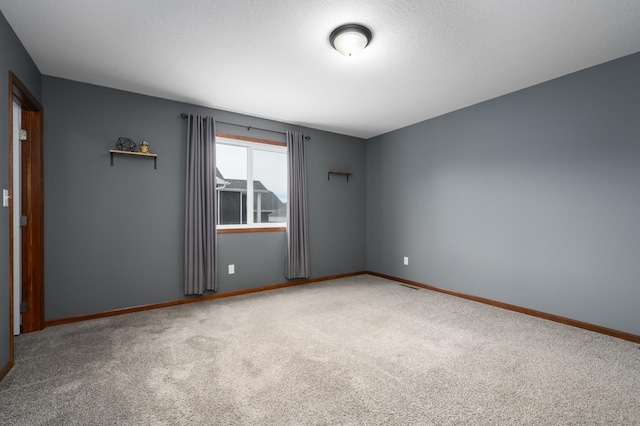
pixel 272 59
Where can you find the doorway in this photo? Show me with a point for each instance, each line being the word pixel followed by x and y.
pixel 26 211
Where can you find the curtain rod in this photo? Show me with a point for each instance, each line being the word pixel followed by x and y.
pixel 184 115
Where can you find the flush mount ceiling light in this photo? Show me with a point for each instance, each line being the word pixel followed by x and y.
pixel 350 39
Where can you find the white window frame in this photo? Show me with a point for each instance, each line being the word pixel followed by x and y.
pixel 250 144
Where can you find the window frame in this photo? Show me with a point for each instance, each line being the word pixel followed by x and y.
pixel 250 144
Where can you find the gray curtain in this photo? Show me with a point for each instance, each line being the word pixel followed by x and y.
pixel 200 206
pixel 297 263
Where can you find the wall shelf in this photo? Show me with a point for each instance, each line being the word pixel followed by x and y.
pixel 140 154
pixel 336 172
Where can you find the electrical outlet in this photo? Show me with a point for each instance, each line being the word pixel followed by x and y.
pixel 232 269
pixel 406 260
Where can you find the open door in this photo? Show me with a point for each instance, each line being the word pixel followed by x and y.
pixel 31 223
pixel 16 192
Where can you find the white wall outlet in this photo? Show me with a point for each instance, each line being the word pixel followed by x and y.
pixel 232 269
pixel 406 260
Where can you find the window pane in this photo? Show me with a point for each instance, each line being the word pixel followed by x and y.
pixel 231 178
pixel 231 161
pixel 232 207
pixel 269 186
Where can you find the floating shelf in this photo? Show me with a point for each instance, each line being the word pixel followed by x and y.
pixel 336 172
pixel 139 154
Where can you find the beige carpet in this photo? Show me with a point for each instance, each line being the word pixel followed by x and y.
pixel 354 351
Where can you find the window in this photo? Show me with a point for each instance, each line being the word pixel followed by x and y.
pixel 251 182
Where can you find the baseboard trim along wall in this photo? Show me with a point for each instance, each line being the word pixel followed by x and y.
pixel 551 317
pixel 196 299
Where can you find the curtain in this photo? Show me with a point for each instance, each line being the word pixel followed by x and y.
pixel 297 262
pixel 200 206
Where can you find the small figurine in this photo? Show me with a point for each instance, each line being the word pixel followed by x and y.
pixel 144 147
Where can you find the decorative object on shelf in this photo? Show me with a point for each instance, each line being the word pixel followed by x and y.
pixel 125 144
pixel 336 172
pixel 144 147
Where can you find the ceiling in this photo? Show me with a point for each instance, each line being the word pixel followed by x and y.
pixel 272 59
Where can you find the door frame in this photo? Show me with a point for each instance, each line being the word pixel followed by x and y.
pixel 32 207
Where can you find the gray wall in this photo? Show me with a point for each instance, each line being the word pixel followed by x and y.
pixel 13 57
pixel 113 235
pixel 532 198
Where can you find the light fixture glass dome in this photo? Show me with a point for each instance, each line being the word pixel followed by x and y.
pixel 350 39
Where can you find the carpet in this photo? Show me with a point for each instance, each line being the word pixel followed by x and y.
pixel 354 351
